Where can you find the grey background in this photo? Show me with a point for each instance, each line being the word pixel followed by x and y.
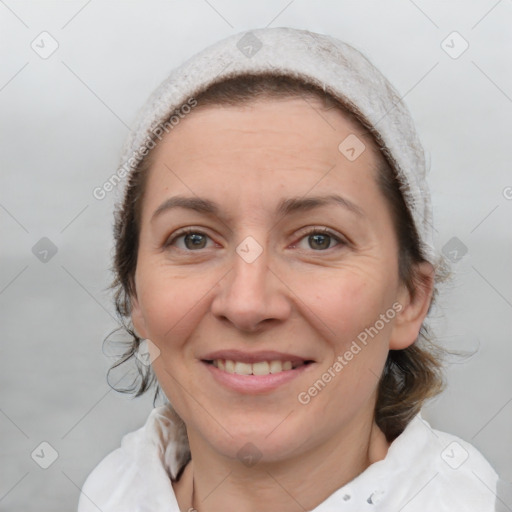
pixel 63 120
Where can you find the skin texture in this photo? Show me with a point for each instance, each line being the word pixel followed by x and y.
pixel 300 296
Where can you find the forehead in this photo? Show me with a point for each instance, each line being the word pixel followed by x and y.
pixel 266 146
pixel 283 121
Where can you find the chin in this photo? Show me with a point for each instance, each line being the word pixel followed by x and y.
pixel 269 439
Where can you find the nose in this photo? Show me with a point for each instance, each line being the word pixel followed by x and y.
pixel 252 295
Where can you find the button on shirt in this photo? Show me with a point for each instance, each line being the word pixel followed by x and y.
pixel 425 470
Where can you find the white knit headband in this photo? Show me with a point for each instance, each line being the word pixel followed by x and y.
pixel 325 61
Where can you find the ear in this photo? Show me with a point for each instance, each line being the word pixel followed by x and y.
pixel 138 321
pixel 414 309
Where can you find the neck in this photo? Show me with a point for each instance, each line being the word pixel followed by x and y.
pixel 212 482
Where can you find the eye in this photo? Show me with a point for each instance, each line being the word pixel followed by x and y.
pixel 192 239
pixel 321 239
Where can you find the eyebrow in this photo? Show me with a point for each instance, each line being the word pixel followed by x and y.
pixel 285 207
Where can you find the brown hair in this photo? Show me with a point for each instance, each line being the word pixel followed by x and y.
pixel 411 375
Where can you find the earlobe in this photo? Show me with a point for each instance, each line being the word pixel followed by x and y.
pixel 415 307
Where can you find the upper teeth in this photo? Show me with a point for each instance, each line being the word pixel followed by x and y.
pixel 259 368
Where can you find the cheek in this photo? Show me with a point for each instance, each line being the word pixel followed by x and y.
pixel 344 301
pixel 170 303
pixel 347 310
pixel 357 339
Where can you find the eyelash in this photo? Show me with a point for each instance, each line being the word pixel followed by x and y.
pixel 311 231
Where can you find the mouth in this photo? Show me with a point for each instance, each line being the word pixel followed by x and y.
pixel 268 367
pixel 257 373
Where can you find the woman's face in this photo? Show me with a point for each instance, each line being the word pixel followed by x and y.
pixel 274 273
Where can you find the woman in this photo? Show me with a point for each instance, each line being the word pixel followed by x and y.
pixel 274 255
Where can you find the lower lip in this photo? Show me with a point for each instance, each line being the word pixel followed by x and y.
pixel 255 383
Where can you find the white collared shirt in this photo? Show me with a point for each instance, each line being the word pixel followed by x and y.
pixel 425 470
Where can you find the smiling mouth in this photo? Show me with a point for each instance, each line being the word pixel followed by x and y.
pixel 257 368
